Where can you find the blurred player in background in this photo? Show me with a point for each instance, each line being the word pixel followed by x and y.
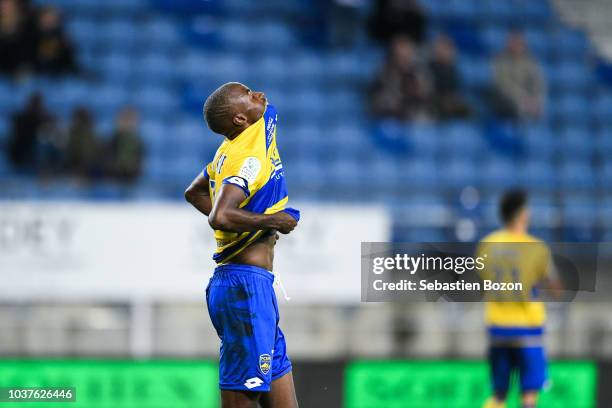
pixel 516 325
pixel 244 194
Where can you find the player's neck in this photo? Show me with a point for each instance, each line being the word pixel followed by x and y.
pixel 516 229
pixel 237 132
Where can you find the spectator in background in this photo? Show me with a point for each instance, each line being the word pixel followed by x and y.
pixel 126 148
pixel 446 83
pixel 26 127
pixel 519 88
pixel 84 152
pixel 345 21
pixel 400 90
pixel 53 52
pixel 394 18
pixel 15 37
pixel 51 149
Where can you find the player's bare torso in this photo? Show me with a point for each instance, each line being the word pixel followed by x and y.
pixel 260 253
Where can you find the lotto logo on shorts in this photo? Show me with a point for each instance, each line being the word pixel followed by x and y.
pixel 265 362
pixel 253 382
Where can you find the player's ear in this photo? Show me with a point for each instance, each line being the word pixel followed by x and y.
pixel 239 119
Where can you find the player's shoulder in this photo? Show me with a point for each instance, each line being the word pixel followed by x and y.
pixel 502 235
pixel 495 236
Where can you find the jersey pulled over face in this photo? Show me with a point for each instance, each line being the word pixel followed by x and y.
pixel 251 162
pixel 516 258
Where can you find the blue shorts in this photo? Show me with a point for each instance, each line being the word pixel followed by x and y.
pixel 242 306
pixel 528 362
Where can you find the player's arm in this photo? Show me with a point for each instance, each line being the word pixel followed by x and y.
pixel 226 214
pixel 198 194
pixel 551 279
pixel 552 282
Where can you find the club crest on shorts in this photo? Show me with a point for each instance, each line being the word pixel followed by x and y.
pixel 265 362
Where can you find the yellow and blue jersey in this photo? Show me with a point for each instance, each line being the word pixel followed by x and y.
pixel 251 162
pixel 520 258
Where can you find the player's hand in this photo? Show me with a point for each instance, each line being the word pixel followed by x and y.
pixel 283 222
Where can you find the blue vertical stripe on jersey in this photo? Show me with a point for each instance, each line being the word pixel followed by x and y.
pixel 270 118
pixel 271 193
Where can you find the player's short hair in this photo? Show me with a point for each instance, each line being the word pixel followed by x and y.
pixel 511 203
pixel 218 109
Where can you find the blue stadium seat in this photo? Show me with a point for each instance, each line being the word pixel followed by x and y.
pixel 154 68
pixel 108 99
pixel 12 97
pixel 603 145
pixel 569 41
pixel 419 174
pixel 204 31
pixel 498 174
pixel 535 11
pixel 5 166
pixel 309 175
pixel 494 37
pixel 307 66
pixel 105 125
pixel 605 176
pixel 539 142
pixel 227 67
pixel 579 211
pixel 572 108
pixel 85 31
pixel 352 140
pixel 119 34
pixel 155 101
pixel 475 72
pixel 463 9
pixel 301 141
pixel 274 34
pixel 580 233
pixel 422 209
pixel 68 94
pixel 5 129
pixel 425 139
pixel 457 173
pixel 464 34
pixel 436 9
pixel 571 75
pixel 236 35
pixel 126 7
pixel 421 234
pixel 271 69
pixel 381 177
pixel 601 108
pixel 117 67
pixel 604 213
pixel 161 33
pixel 346 103
pixel 538 175
pixel 187 7
pixel 194 65
pixel 312 105
pixel 499 10
pixel 344 68
pixel 156 136
pixel 191 131
pixel 538 40
pixel 461 139
pixel 178 172
pixel 576 176
pixel 577 143
pixel 544 211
